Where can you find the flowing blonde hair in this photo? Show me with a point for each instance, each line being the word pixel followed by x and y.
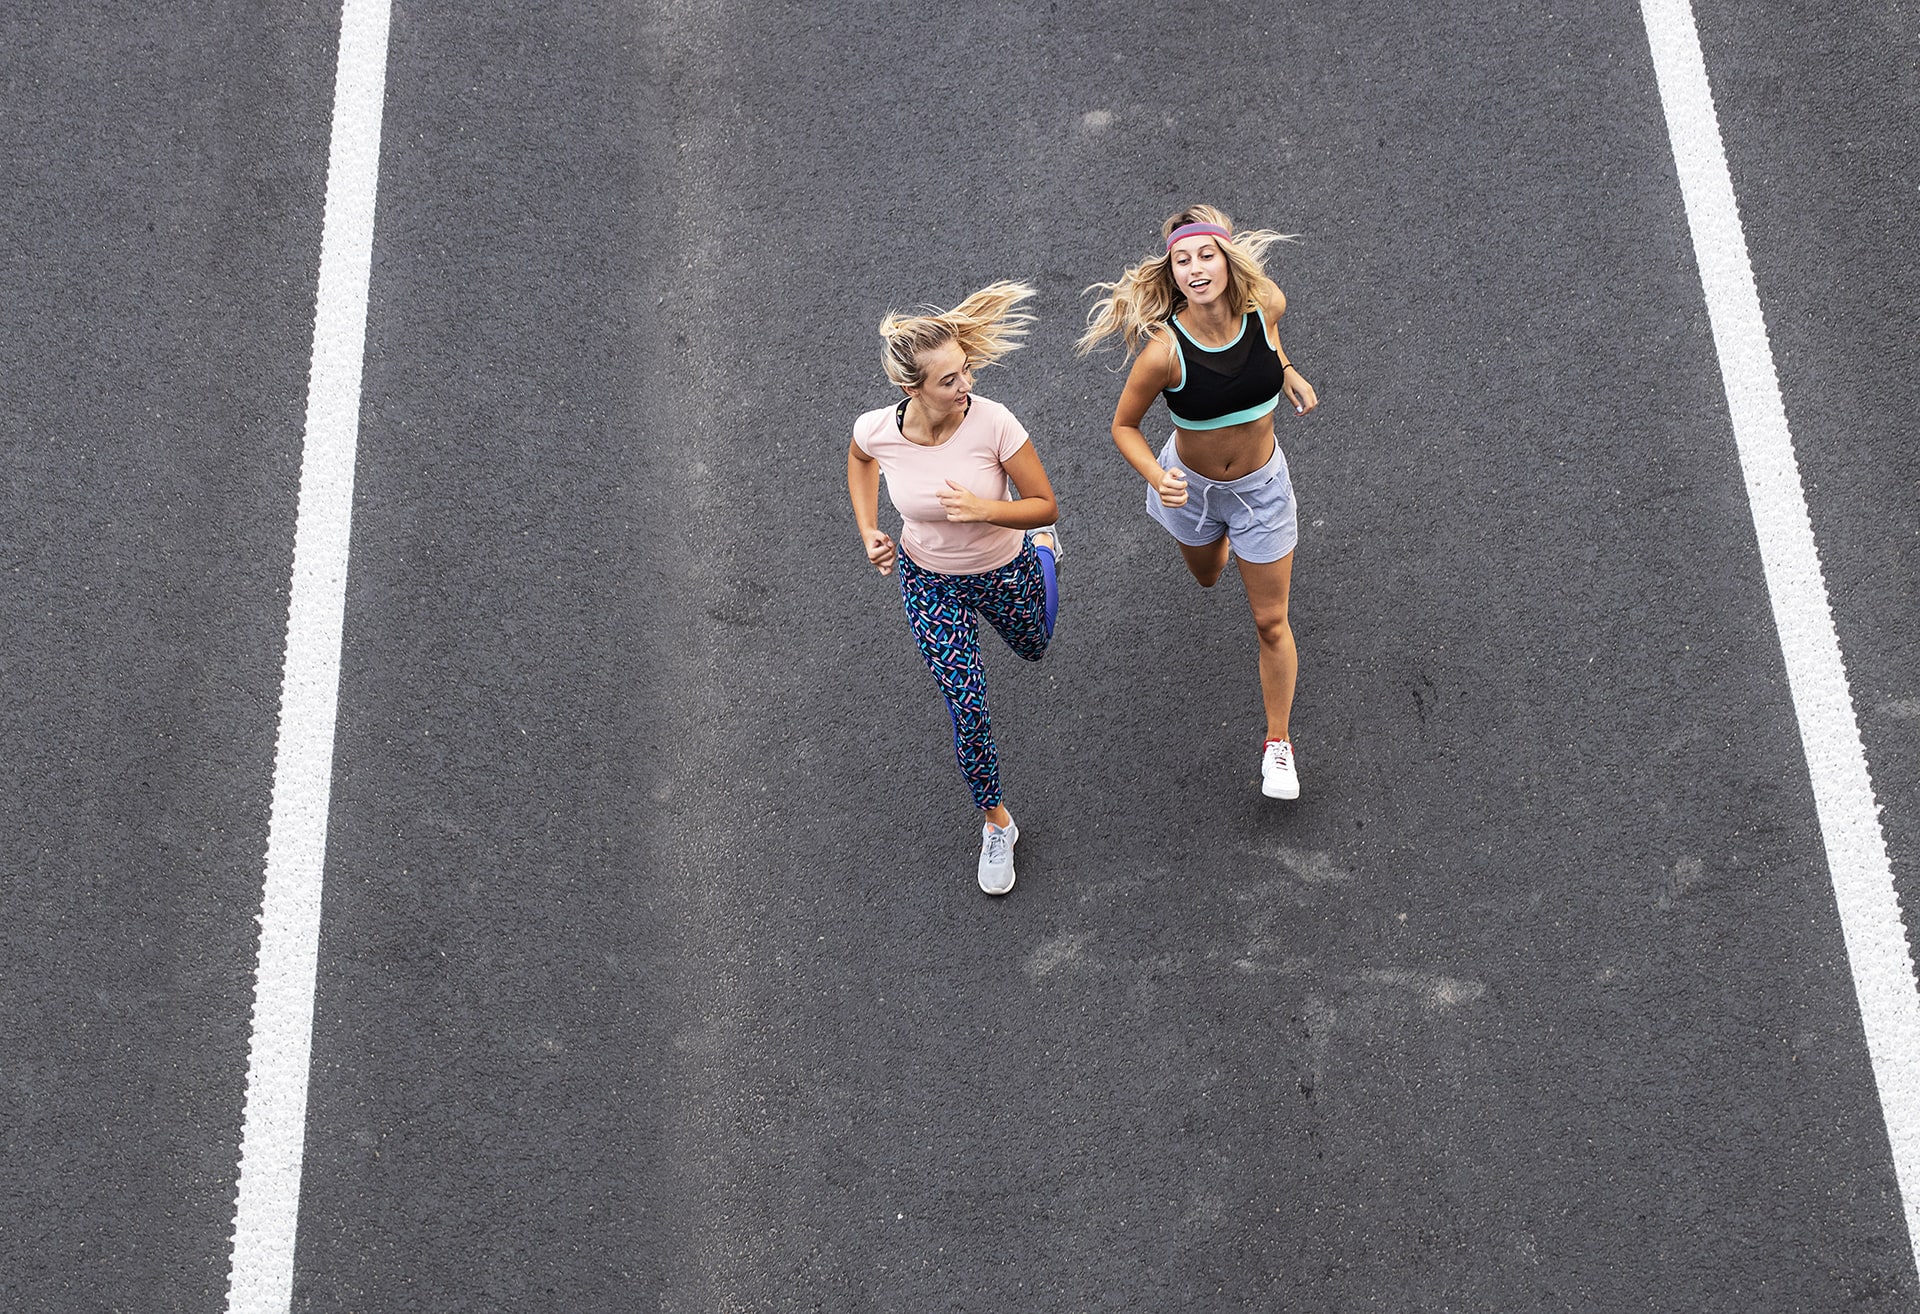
pixel 986 326
pixel 1146 295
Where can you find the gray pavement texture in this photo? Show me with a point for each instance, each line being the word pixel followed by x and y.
pixel 159 236
pixel 653 974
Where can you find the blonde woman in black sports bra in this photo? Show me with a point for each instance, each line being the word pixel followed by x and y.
pixel 1203 318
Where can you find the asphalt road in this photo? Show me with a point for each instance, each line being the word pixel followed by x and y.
pixel 653 971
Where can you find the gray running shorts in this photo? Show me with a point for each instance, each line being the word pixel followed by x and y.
pixel 1256 510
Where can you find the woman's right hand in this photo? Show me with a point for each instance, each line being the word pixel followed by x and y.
pixel 880 550
pixel 1172 486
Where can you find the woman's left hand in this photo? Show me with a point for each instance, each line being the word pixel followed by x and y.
pixel 1295 385
pixel 962 504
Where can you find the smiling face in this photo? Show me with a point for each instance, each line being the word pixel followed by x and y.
pixel 1199 268
pixel 945 378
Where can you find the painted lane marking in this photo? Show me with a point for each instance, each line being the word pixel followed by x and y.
pixel 273 1132
pixel 1876 941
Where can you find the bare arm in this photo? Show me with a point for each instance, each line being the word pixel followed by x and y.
pixel 1155 368
pixel 1292 381
pixel 863 486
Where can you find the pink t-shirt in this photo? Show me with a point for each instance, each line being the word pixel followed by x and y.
pixel 974 458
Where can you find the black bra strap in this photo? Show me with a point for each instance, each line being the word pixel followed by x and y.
pixel 900 414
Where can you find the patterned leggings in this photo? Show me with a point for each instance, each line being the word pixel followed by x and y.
pixel 1018 601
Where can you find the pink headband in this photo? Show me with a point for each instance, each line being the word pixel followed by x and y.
pixel 1195 230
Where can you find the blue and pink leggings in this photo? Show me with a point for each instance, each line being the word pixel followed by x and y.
pixel 1019 600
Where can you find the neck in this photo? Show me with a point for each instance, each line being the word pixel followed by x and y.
pixel 935 420
pixel 1215 314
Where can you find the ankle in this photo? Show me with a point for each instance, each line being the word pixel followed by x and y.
pixel 998 815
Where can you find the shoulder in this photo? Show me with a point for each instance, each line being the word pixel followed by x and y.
pixel 1159 360
pixel 992 411
pixel 1273 302
pixel 997 415
pixel 878 419
pixel 1000 428
pixel 876 423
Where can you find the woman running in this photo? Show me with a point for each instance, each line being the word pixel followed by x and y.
pixel 948 454
pixel 1201 315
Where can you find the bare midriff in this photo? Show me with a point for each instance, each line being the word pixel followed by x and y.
pixel 1229 453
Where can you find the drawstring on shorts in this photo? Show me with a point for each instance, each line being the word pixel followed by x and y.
pixel 1207 488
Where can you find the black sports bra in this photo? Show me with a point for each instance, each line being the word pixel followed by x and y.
pixel 1226 385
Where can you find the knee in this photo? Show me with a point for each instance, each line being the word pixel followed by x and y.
pixel 1274 629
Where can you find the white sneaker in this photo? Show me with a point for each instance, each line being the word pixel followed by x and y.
pixel 996 856
pixel 1278 779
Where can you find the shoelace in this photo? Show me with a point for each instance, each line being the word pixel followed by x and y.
pixel 996 847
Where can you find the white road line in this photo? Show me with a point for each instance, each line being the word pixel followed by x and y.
pixel 272 1135
pixel 1843 794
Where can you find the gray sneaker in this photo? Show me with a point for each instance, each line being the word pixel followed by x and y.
pixel 996 856
pixel 1052 532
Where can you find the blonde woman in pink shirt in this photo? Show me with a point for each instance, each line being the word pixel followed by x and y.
pixel 965 549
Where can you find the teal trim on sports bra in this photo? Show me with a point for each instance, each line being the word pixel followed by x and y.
pixel 1201 346
pixel 1256 367
pixel 1225 346
pixel 1233 417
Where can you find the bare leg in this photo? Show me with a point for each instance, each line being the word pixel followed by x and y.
pixel 1206 562
pixel 1268 585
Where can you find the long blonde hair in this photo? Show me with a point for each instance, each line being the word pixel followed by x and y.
pixel 986 326
pixel 1146 295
